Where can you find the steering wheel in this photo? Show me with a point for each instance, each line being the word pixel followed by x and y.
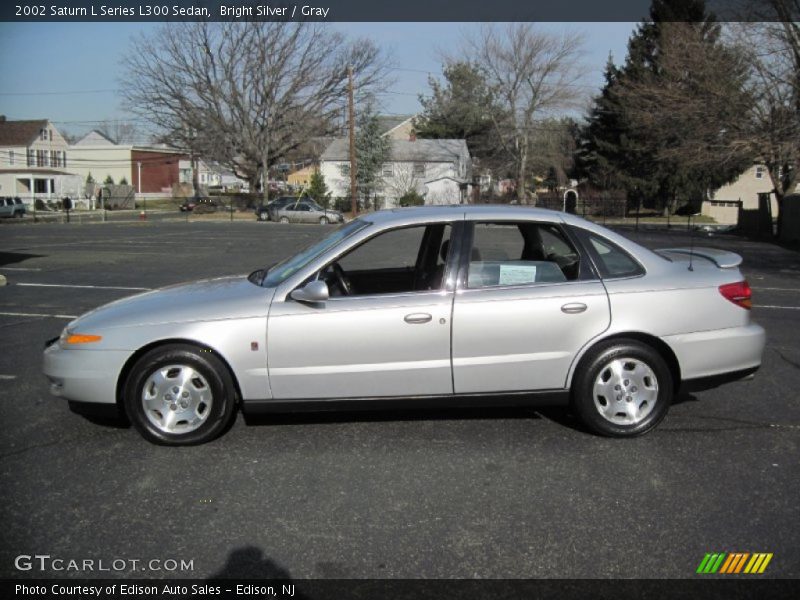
pixel 341 279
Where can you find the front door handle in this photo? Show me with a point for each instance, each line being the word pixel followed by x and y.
pixel 573 308
pixel 416 318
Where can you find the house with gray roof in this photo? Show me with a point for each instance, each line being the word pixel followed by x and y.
pixel 439 170
pixel 33 161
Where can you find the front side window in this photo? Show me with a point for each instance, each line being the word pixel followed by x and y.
pixel 509 254
pixel 278 273
pixel 408 259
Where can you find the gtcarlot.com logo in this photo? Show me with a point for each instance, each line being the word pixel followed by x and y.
pixel 46 562
pixel 734 563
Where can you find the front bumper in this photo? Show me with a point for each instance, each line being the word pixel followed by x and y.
pixel 84 375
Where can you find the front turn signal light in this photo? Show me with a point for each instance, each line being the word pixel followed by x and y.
pixel 82 338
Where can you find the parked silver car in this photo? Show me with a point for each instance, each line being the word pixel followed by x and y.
pixel 305 210
pixel 457 305
pixel 12 207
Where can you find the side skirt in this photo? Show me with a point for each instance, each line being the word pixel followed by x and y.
pixel 528 398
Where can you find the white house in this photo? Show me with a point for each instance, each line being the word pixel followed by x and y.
pixel 33 162
pixel 438 170
pixel 723 204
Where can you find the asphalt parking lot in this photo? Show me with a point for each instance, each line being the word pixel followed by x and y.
pixel 414 494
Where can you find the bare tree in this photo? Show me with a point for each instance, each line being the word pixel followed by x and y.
pixel 246 94
pixel 119 132
pixel 534 75
pixel 770 35
pixel 403 180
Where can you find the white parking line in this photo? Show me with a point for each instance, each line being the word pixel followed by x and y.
pixel 19 269
pixel 772 306
pixel 18 314
pixel 7 377
pixel 91 287
pixel 774 289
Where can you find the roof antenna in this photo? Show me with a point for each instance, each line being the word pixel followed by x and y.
pixel 691 243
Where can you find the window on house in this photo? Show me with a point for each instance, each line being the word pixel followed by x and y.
pixel 31 158
pixel 419 169
pixel 54 158
pixel 43 134
pixel 344 169
pixel 64 159
pixel 10 157
pixel 388 170
pixel 760 172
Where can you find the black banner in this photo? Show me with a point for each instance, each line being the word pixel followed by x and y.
pixel 406 589
pixel 366 10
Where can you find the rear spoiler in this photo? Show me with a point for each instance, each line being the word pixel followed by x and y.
pixel 722 258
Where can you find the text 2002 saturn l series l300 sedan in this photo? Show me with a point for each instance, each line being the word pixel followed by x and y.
pixel 457 305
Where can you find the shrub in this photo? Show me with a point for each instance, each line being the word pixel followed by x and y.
pixel 411 198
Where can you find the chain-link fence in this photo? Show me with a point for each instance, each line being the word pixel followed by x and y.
pixel 220 207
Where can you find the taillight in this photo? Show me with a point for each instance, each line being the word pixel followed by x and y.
pixel 739 293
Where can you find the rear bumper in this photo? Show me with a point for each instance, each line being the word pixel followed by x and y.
pixel 719 353
pixel 715 381
pixel 83 375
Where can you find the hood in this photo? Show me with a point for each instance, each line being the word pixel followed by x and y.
pixel 206 300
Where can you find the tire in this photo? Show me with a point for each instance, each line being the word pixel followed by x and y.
pixel 156 410
pixel 323 220
pixel 622 388
pixel 284 219
pixel 263 216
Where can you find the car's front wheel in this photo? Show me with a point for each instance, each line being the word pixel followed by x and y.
pixel 323 220
pixel 263 215
pixel 179 395
pixel 623 388
pixel 284 219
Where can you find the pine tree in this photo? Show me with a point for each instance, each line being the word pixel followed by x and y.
pixel 372 150
pixel 318 190
pixel 664 122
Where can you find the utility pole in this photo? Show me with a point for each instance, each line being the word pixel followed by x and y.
pixel 353 189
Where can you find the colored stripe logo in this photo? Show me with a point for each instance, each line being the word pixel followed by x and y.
pixel 732 563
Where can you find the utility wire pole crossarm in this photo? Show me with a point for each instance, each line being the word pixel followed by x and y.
pixel 352 127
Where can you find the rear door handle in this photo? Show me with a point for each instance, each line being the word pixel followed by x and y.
pixel 416 318
pixel 573 308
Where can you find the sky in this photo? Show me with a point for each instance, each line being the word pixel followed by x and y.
pixel 68 72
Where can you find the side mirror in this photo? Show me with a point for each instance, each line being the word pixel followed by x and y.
pixel 313 292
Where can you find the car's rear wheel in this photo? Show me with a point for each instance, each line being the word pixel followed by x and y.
pixel 323 220
pixel 622 388
pixel 179 395
pixel 284 219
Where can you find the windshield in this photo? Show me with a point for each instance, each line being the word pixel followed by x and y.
pixel 278 273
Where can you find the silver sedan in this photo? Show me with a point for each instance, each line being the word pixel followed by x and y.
pixel 457 305
pixel 306 211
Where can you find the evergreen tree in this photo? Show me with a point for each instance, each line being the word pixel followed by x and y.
pixel 464 106
pixel 372 150
pixel 664 122
pixel 318 190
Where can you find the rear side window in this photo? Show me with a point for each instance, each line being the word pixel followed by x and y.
pixel 612 260
pixel 509 254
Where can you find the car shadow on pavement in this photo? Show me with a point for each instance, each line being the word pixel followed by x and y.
pixel 10 258
pixel 375 415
